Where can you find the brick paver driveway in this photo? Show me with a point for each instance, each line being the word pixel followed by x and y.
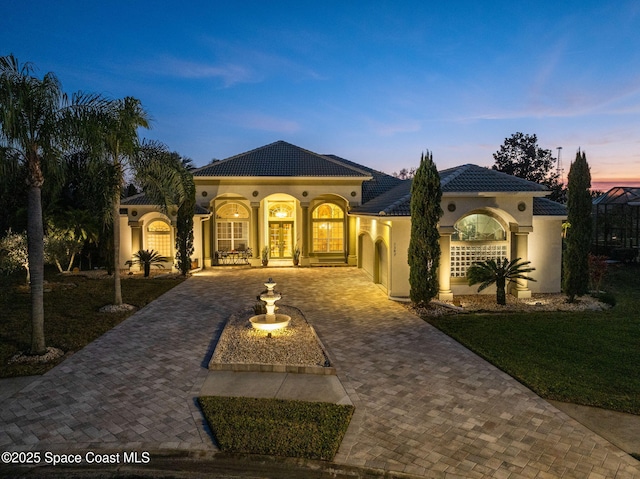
pixel 425 405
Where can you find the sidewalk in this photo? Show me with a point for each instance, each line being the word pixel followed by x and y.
pixel 620 429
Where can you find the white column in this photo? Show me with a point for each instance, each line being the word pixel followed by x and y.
pixel 521 289
pixel 255 226
pixel 304 250
pixel 444 268
pixel 352 259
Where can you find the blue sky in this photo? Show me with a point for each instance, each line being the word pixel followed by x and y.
pixel 374 82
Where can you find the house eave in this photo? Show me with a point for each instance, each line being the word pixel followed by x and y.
pixel 279 179
pixel 486 194
pixel 550 217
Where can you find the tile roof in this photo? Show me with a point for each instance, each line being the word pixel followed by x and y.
pixel 547 207
pixel 380 182
pixel 475 179
pixel 281 159
pixel 394 202
pixel 135 200
pixel 462 179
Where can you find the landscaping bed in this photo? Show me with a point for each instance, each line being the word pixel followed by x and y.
pixel 310 430
pixel 295 348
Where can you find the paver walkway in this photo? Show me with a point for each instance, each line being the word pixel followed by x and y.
pixel 424 404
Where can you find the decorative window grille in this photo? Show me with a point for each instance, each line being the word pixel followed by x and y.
pixel 478 237
pixel 463 256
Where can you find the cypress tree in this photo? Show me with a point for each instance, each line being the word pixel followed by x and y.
pixel 576 256
pixel 424 248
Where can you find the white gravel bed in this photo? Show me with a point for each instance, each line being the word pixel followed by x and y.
pixel 51 355
pixel 117 308
pixel 538 302
pixel 297 344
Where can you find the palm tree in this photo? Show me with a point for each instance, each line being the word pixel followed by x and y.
pixel 37 120
pixel 120 143
pixel 166 179
pixel 498 271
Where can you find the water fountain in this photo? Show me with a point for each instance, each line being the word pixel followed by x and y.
pixel 270 321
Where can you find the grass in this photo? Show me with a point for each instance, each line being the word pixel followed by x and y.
pixel 589 358
pixel 72 319
pixel 277 427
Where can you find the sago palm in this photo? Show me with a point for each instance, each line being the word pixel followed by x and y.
pixel 500 272
pixel 147 258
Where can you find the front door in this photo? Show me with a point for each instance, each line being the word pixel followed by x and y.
pixel 280 239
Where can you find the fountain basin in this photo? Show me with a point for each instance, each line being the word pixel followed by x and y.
pixel 270 322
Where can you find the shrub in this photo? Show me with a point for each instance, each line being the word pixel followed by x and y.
pixel 13 253
pixel 277 427
pixel 597 271
pixel 147 258
pixel 500 272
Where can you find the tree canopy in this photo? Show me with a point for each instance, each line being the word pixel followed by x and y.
pixel 576 256
pixel 424 246
pixel 521 156
pixel 37 122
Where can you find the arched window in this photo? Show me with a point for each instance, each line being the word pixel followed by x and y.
pixel 159 238
pixel 281 211
pixel 477 237
pixel 232 211
pixel 232 227
pixel 478 227
pixel 328 228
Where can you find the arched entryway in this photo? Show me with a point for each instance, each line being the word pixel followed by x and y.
pixel 281 226
pixel 381 264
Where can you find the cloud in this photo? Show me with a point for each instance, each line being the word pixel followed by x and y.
pixel 229 73
pixel 259 60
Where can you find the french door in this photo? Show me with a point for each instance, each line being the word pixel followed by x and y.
pixel 280 239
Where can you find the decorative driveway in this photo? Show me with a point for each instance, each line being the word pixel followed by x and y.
pixel 425 405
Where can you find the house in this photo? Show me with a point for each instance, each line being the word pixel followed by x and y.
pixel 338 212
pixel 616 223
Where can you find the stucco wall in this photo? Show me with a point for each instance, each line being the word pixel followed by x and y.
pixel 504 206
pixel 366 253
pixel 544 242
pixel 545 254
pixel 400 234
pixel 145 214
pixel 257 189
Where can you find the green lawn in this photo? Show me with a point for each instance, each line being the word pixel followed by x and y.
pixel 72 319
pixel 277 427
pixel 590 358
